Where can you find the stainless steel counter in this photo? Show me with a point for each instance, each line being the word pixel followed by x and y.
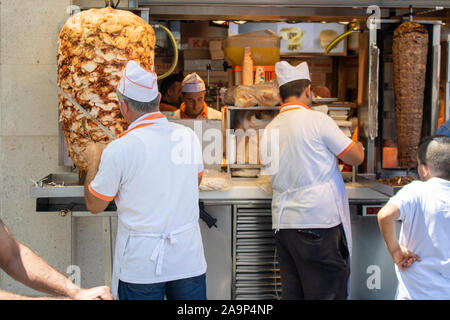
pixel 227 246
pixel 240 190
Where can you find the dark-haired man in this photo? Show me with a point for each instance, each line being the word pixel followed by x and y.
pixel 422 255
pixel 310 212
pixel 194 106
pixel 159 249
pixel 170 90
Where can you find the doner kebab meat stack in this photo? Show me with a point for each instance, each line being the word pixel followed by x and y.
pixel 93 48
pixel 410 49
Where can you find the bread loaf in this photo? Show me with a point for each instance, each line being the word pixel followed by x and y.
pixel 93 48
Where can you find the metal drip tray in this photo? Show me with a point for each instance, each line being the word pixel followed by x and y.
pixel 369 180
pixel 58 185
pixel 62 192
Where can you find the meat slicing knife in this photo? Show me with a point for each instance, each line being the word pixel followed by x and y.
pixel 83 111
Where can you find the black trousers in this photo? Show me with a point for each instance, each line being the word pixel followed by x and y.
pixel 314 263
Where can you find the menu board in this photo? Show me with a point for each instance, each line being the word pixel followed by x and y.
pixel 310 37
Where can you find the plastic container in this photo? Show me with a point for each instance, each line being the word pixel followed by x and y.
pixel 269 73
pixel 264 44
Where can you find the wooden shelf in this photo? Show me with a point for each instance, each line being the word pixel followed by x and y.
pixel 254 108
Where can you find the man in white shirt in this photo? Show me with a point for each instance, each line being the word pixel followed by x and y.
pixel 422 255
pixel 152 172
pixel 310 212
pixel 193 91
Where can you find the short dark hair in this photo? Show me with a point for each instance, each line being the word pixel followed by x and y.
pixel 140 107
pixel 293 88
pixel 168 82
pixel 434 152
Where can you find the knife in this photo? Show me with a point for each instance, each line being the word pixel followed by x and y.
pixel 83 111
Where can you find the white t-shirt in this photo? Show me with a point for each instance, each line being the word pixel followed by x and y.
pixel 309 142
pixel 425 213
pixel 155 192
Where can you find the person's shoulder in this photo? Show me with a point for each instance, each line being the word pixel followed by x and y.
pixel 438 183
pixel 319 115
pixel 172 114
pixel 414 188
pixel 127 144
pixel 444 128
pixel 182 129
pixel 416 184
pixel 214 114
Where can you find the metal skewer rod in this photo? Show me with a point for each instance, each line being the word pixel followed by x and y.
pixel 83 111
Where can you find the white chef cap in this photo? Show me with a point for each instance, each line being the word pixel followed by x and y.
pixel 192 83
pixel 137 83
pixel 287 73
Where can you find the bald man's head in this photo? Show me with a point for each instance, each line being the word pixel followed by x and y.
pixel 434 156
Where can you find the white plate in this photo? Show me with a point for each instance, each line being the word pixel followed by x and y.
pixel 324 100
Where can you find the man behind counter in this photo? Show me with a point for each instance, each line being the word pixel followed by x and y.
pixel 194 105
pixel 170 90
pixel 159 249
pixel 310 211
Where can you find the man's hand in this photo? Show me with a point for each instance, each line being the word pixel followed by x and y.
pixel 93 154
pixel 404 258
pixel 97 293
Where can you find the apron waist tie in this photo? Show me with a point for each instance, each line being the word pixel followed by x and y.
pixel 158 253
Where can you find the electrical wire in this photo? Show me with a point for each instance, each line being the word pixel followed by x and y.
pixel 338 39
pixel 175 51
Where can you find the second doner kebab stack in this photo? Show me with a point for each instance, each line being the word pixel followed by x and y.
pixel 410 49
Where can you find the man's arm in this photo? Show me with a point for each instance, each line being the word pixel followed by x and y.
pixel 5 295
pixel 24 265
pixel 354 156
pixel 94 204
pixel 402 257
pixel 338 143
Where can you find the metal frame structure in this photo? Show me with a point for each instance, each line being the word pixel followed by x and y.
pixel 370 105
pixel 283 10
pixel 447 82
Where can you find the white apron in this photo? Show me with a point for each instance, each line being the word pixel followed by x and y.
pixel 319 198
pixel 124 235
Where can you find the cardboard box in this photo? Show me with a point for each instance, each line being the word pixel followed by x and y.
pixel 194 65
pixel 201 29
pixel 217 64
pixel 217 55
pixel 215 45
pixel 214 76
pixel 194 54
pixel 198 43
